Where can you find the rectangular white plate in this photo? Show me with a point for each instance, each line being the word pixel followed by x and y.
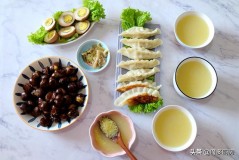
pixel 120 57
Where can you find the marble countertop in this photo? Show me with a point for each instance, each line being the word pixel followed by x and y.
pixel 217 117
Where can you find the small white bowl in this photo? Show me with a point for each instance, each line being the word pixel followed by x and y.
pixel 205 18
pixel 193 125
pixel 86 46
pixel 104 145
pixel 209 67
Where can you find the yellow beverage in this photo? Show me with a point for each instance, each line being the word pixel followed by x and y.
pixel 194 79
pixel 192 30
pixel 173 128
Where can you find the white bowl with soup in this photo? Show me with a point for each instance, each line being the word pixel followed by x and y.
pixel 195 78
pixel 193 29
pixel 174 128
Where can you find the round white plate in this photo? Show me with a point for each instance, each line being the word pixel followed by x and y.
pixel 23 78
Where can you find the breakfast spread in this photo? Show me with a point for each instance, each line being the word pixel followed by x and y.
pixel 54 93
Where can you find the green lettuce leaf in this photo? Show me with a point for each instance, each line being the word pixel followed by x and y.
pixel 146 108
pixel 64 40
pixel 127 18
pixel 133 17
pixel 142 17
pixel 97 11
pixel 38 36
pixel 73 10
pixel 57 15
pixel 76 35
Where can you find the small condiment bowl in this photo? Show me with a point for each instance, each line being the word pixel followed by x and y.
pixel 211 69
pixel 86 46
pixel 192 122
pixel 106 146
pixel 205 18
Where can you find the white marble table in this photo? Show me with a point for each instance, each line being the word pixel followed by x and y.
pixel 217 117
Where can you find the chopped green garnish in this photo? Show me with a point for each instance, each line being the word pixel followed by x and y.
pixel 133 17
pixel 151 78
pixel 38 36
pixel 97 11
pixel 146 108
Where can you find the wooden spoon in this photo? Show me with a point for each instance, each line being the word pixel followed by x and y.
pixel 111 126
pixel 119 141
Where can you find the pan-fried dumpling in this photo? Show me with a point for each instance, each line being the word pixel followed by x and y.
pixel 139 53
pixel 136 75
pixel 138 64
pixel 140 32
pixel 125 86
pixel 143 43
pixel 139 95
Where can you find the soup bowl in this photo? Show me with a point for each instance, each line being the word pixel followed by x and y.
pixel 187 25
pixel 195 81
pixel 169 129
